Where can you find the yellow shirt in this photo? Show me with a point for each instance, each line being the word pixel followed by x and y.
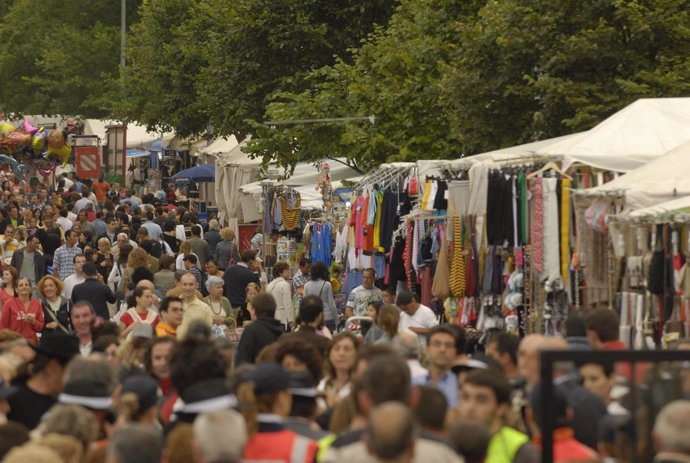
pixel 163 329
pixel 195 310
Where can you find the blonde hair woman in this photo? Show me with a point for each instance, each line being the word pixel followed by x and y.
pixel 186 248
pixel 55 308
pixel 226 252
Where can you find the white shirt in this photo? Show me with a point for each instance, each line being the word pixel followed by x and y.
pixel 81 204
pixel 280 289
pixel 86 348
pixel 69 284
pixel 65 223
pixel 416 368
pixel 424 317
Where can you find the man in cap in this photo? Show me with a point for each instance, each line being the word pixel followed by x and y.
pixel 303 410
pixel 38 393
pixel 90 382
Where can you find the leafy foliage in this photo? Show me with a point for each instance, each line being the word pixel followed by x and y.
pixel 57 57
pixel 395 76
pixel 529 70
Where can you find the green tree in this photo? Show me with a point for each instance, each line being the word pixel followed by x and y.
pixel 57 56
pixel 194 62
pixel 261 47
pixel 395 76
pixel 527 69
pixel 158 86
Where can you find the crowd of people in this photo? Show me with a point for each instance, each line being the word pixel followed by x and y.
pixel 130 333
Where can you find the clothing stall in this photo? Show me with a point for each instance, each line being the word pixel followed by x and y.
pixel 488 244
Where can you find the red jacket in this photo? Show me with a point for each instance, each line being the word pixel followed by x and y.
pixel 13 317
pixel 279 446
pixel 567 449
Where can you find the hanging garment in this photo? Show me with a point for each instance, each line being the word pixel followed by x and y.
pixel 516 223
pixel 322 238
pixel 368 230
pixel 441 199
pixel 357 223
pixel 441 285
pixel 290 210
pixel 537 226
pixel 267 214
pixel 479 187
pixel 565 229
pixel 499 210
pixel 415 244
pixel 425 285
pixel 457 270
pixel 431 197
pixel 458 197
pixel 552 268
pixel 407 257
pixel 522 198
pixel 377 222
pixel 397 262
pixel 470 258
pixel 390 219
pixel 427 193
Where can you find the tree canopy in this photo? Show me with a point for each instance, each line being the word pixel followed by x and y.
pixel 57 56
pixel 443 78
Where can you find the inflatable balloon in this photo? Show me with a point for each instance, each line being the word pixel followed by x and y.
pixel 28 127
pixel 56 139
pixel 6 129
pixel 61 154
pixel 38 141
pixel 19 139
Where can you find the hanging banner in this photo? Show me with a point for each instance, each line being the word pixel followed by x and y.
pixel 88 161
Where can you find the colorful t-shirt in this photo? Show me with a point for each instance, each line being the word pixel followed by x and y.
pixel 360 298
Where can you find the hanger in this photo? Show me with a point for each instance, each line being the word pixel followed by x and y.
pixel 549 166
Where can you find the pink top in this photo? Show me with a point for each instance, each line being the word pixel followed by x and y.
pixel 14 314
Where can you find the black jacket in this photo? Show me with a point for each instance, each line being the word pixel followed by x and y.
pixel 97 293
pixel 39 263
pixel 236 278
pixel 259 334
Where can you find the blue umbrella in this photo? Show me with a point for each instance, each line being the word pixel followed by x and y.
pixel 201 173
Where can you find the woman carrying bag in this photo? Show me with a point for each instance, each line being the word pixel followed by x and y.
pixel 55 307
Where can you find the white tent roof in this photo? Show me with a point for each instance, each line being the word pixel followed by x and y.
pixel 662 212
pixel 635 135
pixel 220 145
pixel 661 180
pixel 306 174
pixel 236 157
pixel 138 136
pixel 525 150
pixel 304 180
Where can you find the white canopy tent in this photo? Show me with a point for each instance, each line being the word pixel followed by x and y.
pixel 220 146
pixel 630 138
pixel 526 151
pixel 138 136
pixel 659 181
pixel 676 209
pixel 304 180
pixel 234 168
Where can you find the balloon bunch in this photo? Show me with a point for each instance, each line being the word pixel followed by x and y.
pixel 34 143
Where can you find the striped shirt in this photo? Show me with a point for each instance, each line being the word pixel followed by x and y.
pixel 63 260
